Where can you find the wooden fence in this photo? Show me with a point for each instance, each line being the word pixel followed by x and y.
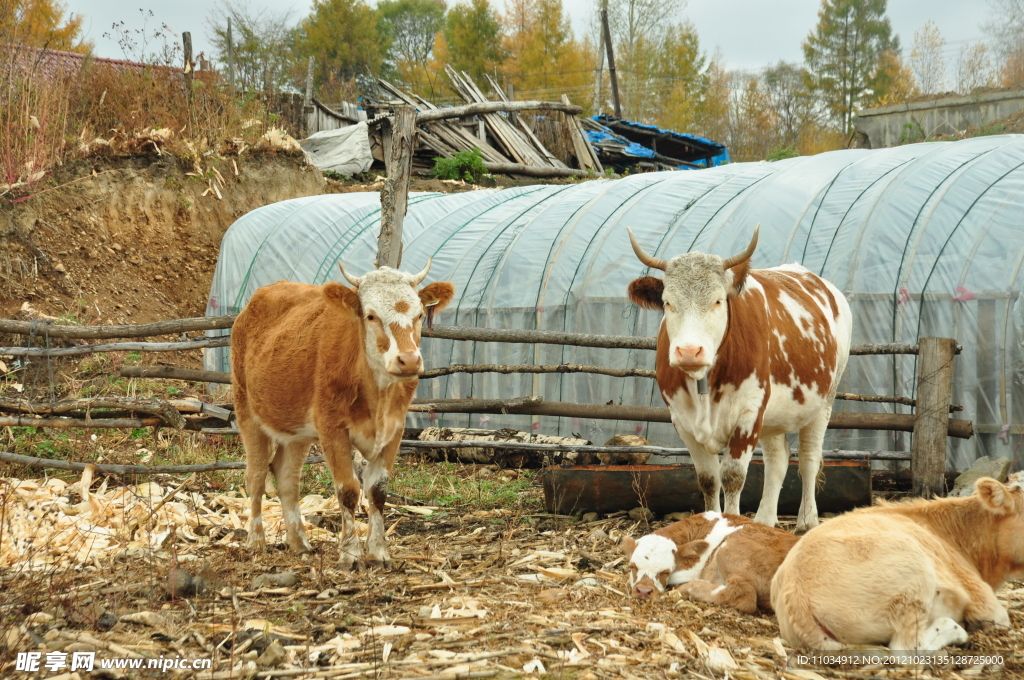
pixel 930 422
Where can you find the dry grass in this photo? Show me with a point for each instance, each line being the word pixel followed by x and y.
pixel 484 590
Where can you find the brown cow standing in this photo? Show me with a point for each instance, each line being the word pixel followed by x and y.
pixel 334 365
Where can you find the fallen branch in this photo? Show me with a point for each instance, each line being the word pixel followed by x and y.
pixel 99 424
pixel 109 469
pixel 532 170
pixel 175 326
pixel 175 373
pixel 156 407
pixel 559 368
pixel 223 341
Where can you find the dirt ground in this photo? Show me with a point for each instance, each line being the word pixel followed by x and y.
pixel 502 591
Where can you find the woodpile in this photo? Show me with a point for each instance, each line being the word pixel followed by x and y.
pixel 506 141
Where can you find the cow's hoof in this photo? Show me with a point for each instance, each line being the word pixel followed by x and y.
pixel 350 564
pixel 257 542
pixel 386 564
pixel 300 547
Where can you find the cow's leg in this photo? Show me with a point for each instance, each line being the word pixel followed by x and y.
pixel 706 465
pixel 776 463
pixel 734 476
pixel 738 453
pixel 375 479
pixel 338 455
pixel 811 439
pixel 287 467
pixel 738 592
pixel 259 449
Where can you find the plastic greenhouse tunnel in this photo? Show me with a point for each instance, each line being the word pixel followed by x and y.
pixel 924 239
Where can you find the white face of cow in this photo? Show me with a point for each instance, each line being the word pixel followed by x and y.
pixel 393 312
pixel 695 298
pixel 696 311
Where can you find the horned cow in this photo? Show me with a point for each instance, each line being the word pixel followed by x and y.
pixel 910 575
pixel 745 355
pixel 334 365
pixel 727 560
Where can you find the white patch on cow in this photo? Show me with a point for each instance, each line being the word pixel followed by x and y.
pixel 380 291
pixel 717 590
pixel 653 555
pixel 712 516
pixel 714 539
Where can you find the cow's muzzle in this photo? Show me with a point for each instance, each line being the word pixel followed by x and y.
pixel 645 589
pixel 689 358
pixel 407 363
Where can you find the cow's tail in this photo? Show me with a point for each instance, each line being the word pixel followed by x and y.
pixel 799 624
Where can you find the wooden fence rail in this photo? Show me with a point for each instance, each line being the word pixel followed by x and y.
pixel 443 332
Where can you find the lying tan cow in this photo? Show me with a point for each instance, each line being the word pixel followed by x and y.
pixel 334 365
pixel 726 560
pixel 907 574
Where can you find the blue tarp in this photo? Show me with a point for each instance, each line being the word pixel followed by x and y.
pixel 700 151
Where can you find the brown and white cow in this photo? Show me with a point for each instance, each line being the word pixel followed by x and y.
pixel 727 560
pixel 909 575
pixel 334 365
pixel 745 355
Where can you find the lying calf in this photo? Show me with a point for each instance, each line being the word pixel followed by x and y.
pixel 906 574
pixel 722 559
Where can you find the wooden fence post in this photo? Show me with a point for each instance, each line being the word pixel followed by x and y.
pixel 186 43
pixel 931 418
pixel 394 195
pixel 231 60
pixel 611 63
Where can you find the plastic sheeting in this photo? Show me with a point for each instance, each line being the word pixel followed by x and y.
pixel 925 239
pixel 345 150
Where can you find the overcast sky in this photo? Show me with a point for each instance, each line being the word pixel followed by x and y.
pixel 749 33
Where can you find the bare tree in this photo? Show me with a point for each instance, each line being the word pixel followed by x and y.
pixel 1006 27
pixel 262 44
pixel 927 59
pixel 973 68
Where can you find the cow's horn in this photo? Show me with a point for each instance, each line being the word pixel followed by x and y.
pixel 354 280
pixel 417 279
pixel 745 255
pixel 652 262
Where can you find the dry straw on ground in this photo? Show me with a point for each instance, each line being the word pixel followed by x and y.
pixel 485 593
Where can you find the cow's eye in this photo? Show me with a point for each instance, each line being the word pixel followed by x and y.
pixel 665 573
pixel 718 303
pixel 371 317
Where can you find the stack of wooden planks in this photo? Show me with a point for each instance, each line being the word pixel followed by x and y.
pixel 506 142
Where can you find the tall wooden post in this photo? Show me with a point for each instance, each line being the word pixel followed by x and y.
pixel 611 63
pixel 307 101
pixel 231 60
pixel 931 418
pixel 186 44
pixel 394 195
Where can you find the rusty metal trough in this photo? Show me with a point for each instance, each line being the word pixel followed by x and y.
pixel 572 490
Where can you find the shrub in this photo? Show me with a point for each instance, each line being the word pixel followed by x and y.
pixel 466 165
pixel 781 152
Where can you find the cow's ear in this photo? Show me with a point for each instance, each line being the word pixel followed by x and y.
pixel 689 554
pixel 737 276
pixel 437 295
pixel 646 292
pixel 994 496
pixel 628 545
pixel 343 296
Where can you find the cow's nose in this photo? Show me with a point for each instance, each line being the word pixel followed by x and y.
pixel 409 362
pixel 643 592
pixel 689 354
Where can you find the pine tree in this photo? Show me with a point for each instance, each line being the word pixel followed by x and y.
pixel 40 23
pixel 843 51
pixel 342 35
pixel 472 37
